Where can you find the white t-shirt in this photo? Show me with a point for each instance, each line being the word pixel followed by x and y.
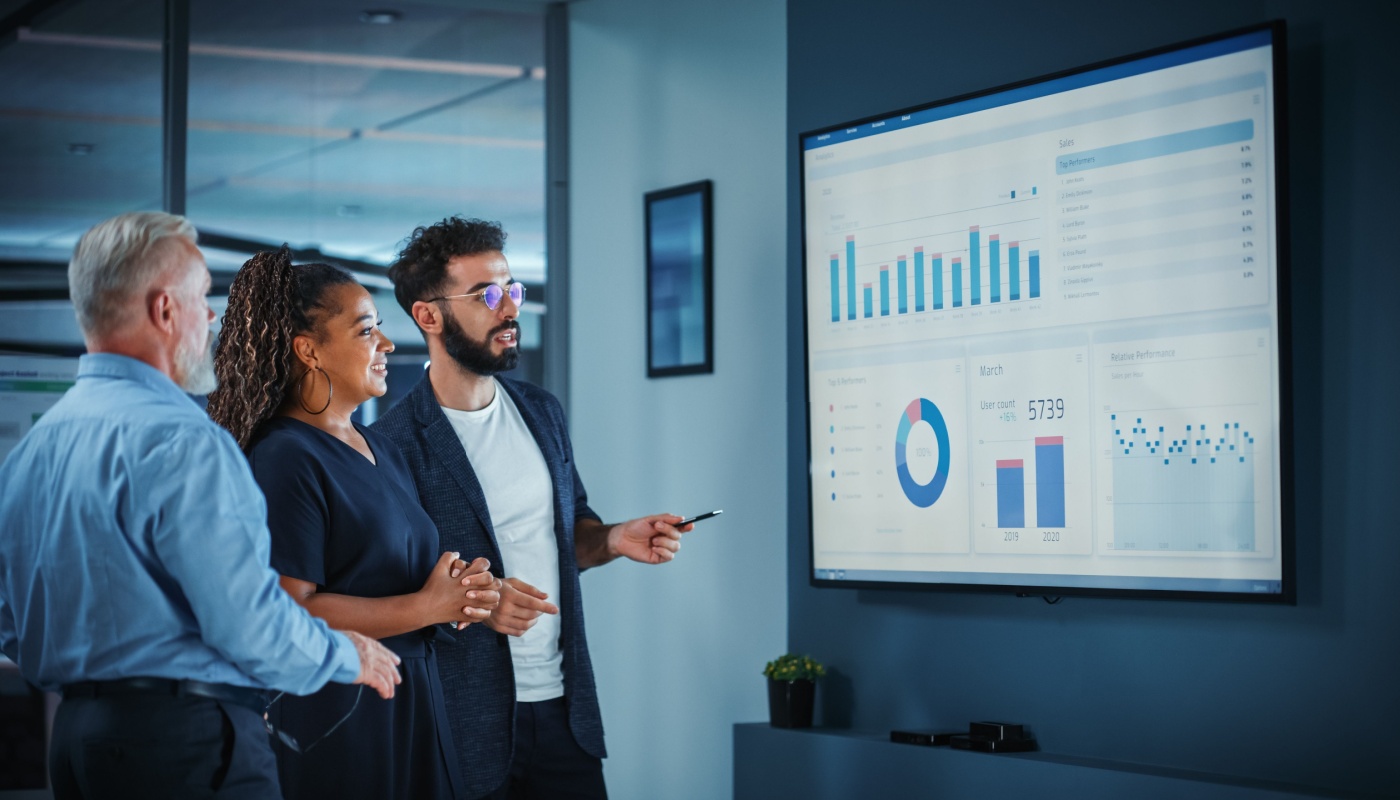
pixel 520 497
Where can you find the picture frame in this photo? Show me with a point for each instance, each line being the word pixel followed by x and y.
pixel 680 280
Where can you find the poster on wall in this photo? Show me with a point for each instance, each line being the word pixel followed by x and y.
pixel 680 306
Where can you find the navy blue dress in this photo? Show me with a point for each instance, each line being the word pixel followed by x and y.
pixel 356 528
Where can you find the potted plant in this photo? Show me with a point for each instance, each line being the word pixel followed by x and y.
pixel 792 690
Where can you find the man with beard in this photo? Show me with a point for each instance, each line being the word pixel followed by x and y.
pixel 134 570
pixel 495 471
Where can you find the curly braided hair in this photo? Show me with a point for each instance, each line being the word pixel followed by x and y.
pixel 270 303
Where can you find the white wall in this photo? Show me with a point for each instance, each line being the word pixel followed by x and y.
pixel 664 93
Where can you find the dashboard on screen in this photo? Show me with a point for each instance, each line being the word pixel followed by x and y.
pixel 1045 345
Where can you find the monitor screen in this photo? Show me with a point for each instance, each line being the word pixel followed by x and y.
pixel 1045 346
pixel 29 386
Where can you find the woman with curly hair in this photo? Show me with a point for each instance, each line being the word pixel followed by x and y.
pixel 300 350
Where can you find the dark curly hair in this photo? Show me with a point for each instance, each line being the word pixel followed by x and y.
pixel 420 272
pixel 270 303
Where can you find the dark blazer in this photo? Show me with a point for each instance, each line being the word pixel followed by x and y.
pixel 477 676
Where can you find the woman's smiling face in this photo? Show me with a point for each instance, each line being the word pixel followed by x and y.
pixel 350 347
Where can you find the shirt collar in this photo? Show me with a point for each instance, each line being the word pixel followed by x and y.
pixel 113 365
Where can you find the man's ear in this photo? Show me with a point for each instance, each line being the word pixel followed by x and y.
pixel 428 316
pixel 160 310
pixel 304 347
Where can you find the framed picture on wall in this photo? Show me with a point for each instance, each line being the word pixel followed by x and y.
pixel 680 293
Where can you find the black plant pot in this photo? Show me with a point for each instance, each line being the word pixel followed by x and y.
pixel 790 703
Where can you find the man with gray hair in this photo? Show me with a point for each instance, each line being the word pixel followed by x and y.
pixel 134 559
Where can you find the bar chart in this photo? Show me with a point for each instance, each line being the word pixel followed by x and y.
pixel 1031 449
pixel 1049 481
pixel 984 273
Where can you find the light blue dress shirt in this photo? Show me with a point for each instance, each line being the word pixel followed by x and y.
pixel 134 543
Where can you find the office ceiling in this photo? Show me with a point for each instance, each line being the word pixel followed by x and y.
pixel 307 125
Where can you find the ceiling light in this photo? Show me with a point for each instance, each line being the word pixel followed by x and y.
pixel 381 16
pixel 80 149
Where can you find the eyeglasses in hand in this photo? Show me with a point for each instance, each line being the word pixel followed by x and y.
pixel 492 295
pixel 290 740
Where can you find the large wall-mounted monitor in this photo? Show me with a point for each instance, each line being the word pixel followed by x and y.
pixel 1046 333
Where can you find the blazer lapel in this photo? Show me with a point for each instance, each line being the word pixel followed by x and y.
pixel 447 450
pixel 544 437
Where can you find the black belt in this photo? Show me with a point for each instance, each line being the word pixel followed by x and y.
pixel 242 695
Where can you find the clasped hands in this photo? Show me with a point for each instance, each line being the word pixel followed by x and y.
pixel 465 593
pixel 455 592
pixel 462 593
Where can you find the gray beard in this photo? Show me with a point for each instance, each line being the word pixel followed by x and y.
pixel 194 368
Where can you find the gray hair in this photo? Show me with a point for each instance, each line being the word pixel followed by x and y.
pixel 118 260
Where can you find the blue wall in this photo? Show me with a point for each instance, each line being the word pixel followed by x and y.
pixel 678 649
pixel 1307 694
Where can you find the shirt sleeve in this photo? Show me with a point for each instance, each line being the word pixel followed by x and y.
pixel 297 512
pixel 211 535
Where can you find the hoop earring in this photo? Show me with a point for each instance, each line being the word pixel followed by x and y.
pixel 301 390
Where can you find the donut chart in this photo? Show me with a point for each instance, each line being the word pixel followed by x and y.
pixel 922 495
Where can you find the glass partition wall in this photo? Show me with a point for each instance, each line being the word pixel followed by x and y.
pixel 329 127
pixel 80 141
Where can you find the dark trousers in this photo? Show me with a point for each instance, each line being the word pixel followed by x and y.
pixel 160 746
pixel 548 762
